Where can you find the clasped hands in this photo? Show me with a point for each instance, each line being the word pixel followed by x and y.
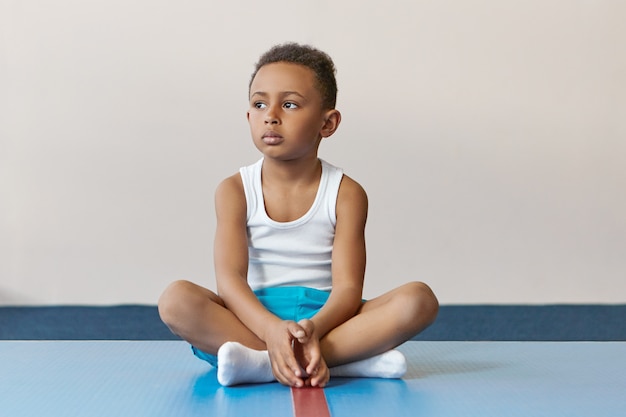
pixel 294 351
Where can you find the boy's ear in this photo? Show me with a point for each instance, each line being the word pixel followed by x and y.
pixel 331 123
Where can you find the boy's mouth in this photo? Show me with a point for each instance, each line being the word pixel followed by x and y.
pixel 271 138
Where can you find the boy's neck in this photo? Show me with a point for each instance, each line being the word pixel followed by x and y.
pixel 295 171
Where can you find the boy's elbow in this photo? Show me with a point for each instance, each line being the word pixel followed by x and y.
pixel 352 299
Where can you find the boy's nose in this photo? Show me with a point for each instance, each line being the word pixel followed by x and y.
pixel 271 117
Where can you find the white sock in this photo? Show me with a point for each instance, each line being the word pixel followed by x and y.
pixel 391 364
pixel 237 364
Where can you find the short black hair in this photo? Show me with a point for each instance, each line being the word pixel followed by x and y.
pixel 319 62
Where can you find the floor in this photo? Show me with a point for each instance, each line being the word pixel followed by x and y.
pixel 565 322
pixel 162 378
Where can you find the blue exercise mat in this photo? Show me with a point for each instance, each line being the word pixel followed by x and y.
pixel 162 378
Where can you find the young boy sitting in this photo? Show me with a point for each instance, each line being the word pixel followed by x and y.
pixel 290 251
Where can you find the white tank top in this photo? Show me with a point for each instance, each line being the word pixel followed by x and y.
pixel 295 253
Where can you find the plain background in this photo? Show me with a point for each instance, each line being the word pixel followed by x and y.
pixel 490 136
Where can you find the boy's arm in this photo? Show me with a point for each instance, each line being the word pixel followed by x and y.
pixel 231 255
pixel 348 271
pixel 348 259
pixel 231 270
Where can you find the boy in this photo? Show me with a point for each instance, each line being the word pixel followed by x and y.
pixel 290 251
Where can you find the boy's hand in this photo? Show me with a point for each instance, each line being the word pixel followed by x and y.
pixel 308 354
pixel 279 340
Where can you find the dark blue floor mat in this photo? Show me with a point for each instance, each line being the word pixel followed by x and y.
pixel 455 323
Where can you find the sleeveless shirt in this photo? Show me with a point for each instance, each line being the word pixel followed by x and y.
pixel 294 253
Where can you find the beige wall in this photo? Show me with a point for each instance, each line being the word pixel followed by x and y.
pixel 490 136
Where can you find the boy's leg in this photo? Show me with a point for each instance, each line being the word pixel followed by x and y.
pixel 381 324
pixel 200 317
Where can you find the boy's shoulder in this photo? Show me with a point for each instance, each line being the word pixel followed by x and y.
pixel 352 195
pixel 233 180
pixel 350 186
pixel 230 188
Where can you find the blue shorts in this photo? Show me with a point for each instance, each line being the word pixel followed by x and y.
pixel 288 303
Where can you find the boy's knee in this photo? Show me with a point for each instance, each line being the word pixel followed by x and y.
pixel 422 304
pixel 171 299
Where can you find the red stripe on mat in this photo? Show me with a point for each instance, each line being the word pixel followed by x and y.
pixel 309 402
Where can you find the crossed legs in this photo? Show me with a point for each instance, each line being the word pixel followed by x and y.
pixel 199 316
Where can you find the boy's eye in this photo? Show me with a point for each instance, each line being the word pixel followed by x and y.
pixel 259 105
pixel 290 105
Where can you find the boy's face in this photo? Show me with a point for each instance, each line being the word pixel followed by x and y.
pixel 286 117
